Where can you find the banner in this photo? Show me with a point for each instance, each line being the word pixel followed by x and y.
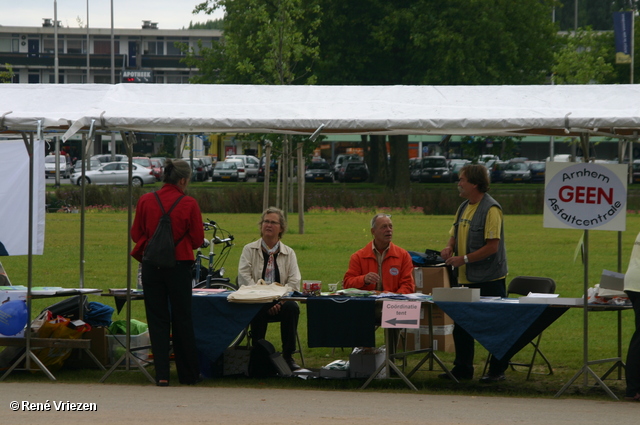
pixel 14 198
pixel 585 196
pixel 622 31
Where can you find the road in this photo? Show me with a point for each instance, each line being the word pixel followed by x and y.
pixel 148 404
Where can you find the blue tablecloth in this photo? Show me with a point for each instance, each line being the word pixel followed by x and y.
pixel 341 322
pixel 217 322
pixel 502 328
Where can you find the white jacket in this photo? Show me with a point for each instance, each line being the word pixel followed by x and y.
pixel 252 263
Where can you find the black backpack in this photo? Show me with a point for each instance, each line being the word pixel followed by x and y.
pixel 261 364
pixel 161 249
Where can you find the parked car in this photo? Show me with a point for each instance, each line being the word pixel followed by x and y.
pixel 342 158
pixel 116 173
pixel 261 167
pixel 208 164
pixel 50 166
pixel 199 174
pixel 251 164
pixel 354 171
pixel 455 165
pixel 433 169
pixel 225 171
pixel 496 173
pixel 635 171
pixel 104 158
pixel 92 164
pixel 537 170
pixel 158 168
pixel 319 171
pixel 516 172
pixel 242 171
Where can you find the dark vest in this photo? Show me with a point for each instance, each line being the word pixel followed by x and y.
pixel 494 266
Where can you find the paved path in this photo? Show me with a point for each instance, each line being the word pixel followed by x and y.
pixel 140 405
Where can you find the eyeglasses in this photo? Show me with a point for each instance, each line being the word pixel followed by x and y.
pixel 273 223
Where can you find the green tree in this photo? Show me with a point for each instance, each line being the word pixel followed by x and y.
pixel 215 24
pixel 584 57
pixel 263 43
pixel 7 75
pixel 453 42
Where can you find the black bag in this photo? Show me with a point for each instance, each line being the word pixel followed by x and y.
pixel 426 259
pixel 70 307
pixel 261 363
pixel 161 249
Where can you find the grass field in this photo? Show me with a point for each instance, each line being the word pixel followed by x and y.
pixel 323 254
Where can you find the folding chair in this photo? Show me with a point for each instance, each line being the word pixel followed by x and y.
pixel 523 285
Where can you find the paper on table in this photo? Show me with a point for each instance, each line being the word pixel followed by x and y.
pixel 539 295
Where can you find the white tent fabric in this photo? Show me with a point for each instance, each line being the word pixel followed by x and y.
pixel 14 193
pixel 187 108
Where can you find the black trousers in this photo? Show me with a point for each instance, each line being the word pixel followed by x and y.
pixel 288 318
pixel 633 355
pixel 167 301
pixel 465 344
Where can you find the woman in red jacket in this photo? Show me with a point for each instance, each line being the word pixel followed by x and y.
pixel 167 290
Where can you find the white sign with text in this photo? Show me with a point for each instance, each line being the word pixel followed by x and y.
pixel 585 196
pixel 400 314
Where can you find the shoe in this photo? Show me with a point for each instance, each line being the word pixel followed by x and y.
pixel 459 378
pixel 162 383
pixel 292 364
pixel 488 379
pixel 633 398
pixel 199 379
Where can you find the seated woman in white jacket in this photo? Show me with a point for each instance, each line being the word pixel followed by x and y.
pixel 269 259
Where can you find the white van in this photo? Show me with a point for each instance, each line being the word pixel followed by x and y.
pixel 251 163
pixel 50 166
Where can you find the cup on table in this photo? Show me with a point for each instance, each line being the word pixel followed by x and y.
pixel 333 287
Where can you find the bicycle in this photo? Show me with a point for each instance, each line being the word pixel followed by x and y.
pixel 212 276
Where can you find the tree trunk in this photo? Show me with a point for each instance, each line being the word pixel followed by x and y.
pixel 399 163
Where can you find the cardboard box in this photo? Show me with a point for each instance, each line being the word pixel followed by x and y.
pixel 363 363
pixel 140 347
pixel 427 278
pixel 439 316
pixel 236 361
pixel 442 339
pixel 612 280
pixel 611 285
pixel 99 348
pixel 460 294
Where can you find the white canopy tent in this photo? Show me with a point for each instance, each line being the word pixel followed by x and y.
pixel 463 110
pixel 611 110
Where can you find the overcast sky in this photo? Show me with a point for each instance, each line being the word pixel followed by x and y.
pixel 169 14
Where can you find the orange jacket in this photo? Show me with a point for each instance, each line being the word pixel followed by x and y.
pixel 397 269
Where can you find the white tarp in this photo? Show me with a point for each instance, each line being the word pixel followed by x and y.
pixel 14 196
pixel 187 108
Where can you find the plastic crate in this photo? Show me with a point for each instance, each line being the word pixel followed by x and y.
pixel 140 347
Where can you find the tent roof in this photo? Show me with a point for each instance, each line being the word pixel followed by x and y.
pixel 191 108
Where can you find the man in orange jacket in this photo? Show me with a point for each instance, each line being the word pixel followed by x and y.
pixel 381 265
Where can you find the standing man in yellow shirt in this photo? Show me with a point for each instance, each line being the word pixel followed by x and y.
pixel 476 248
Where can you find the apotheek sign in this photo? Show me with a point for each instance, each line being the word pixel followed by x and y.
pixel 585 196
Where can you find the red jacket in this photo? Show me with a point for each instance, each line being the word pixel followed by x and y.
pixel 186 219
pixel 397 269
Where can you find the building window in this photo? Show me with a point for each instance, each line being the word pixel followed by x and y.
pixel 76 78
pixel 172 50
pixel 49 46
pixel 104 79
pixel 154 48
pixel 75 46
pixel 103 47
pixel 52 77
